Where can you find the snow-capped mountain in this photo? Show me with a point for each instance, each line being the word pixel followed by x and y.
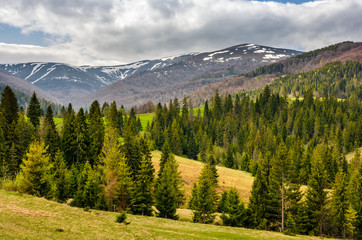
pixel 77 84
pixel 189 75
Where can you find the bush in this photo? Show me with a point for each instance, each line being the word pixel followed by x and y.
pixel 121 217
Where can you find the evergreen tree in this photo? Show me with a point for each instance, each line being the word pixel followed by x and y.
pixel 36 171
pixel 234 212
pixel 114 118
pixel 124 187
pixel 142 200
pixel 82 138
pixel 95 132
pixel 205 201
pixel 280 174
pixel 9 109
pixel 316 197
pixel 34 111
pixel 340 203
pixel 168 190
pixel 60 178
pixel 109 161
pixel 69 137
pixel 51 137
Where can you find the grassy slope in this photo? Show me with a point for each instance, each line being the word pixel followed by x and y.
pixel 28 217
pixel 191 169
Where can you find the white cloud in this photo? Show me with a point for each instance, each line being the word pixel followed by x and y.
pixel 116 31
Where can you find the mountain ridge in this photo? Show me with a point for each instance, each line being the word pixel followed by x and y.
pixel 345 51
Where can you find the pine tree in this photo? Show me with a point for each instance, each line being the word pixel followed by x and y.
pixel 205 204
pixel 340 203
pixel 234 212
pixel 60 178
pixel 69 137
pixel 132 151
pixel 51 137
pixel 34 111
pixel 82 138
pixel 113 118
pixel 229 163
pixel 109 163
pixel 259 196
pixel 142 200
pixel 168 189
pixel 124 187
pixel 36 170
pixel 316 197
pixel 95 132
pixel 350 222
pixel 9 109
pixel 280 174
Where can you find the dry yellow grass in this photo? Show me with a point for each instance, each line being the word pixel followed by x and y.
pixel 228 178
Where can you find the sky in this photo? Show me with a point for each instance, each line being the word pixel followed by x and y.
pixel 111 32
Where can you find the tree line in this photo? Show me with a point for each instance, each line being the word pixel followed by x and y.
pixel 105 163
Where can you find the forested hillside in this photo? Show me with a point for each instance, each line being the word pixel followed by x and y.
pixel 341 80
pixel 295 148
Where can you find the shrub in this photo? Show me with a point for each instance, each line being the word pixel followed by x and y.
pixel 121 217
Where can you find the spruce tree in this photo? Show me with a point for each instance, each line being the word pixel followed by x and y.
pixel 34 111
pixel 95 132
pixel 205 201
pixel 168 189
pixel 124 187
pixel 51 137
pixel 9 109
pixel 234 212
pixel 36 169
pixel 61 179
pixel 109 163
pixel 316 197
pixel 82 138
pixel 340 203
pixel 143 199
pixel 69 137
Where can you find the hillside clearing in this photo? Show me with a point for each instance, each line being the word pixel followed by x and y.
pixel 228 178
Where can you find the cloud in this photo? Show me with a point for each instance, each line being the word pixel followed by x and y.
pixel 119 31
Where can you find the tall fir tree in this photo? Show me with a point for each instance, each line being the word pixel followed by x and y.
pixel 340 203
pixel 316 197
pixel 51 137
pixel 34 110
pixel 82 137
pixel 69 137
pixel 204 198
pixel 60 183
pixel 36 169
pixel 143 199
pixel 234 212
pixel 168 189
pixel 96 132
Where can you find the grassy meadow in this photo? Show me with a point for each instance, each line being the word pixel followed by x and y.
pixel 28 217
pixel 191 170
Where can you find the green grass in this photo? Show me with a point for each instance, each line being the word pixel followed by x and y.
pixel 28 217
pixel 147 117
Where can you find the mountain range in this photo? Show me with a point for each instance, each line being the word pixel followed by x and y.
pixel 135 83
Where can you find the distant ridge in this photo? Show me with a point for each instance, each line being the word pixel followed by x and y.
pixel 345 51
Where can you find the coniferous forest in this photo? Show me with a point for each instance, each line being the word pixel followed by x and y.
pixel 294 147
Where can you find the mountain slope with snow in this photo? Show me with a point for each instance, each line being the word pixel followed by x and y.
pixel 134 82
pixel 188 75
